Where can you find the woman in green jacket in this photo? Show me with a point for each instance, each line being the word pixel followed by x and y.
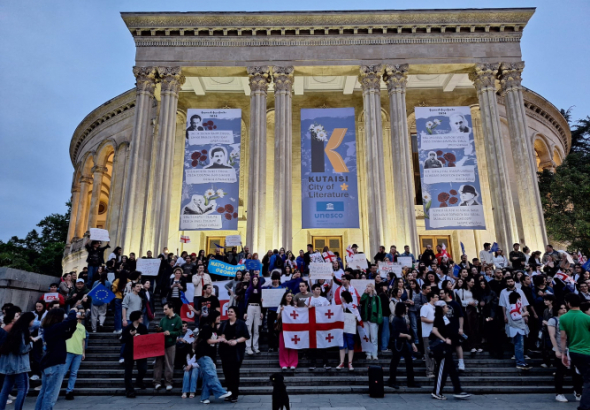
pixel 372 317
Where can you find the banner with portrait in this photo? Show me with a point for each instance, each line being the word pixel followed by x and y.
pixel 210 184
pixel 329 185
pixel 448 168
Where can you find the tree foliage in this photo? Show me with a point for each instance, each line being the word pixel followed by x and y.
pixel 565 194
pixel 39 252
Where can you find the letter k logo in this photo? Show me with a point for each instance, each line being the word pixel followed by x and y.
pixel 333 143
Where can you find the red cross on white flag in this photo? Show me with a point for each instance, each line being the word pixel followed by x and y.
pixel 329 256
pixel 185 239
pixel 317 327
pixel 365 341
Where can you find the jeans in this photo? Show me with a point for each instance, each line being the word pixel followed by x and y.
pixel 518 341
pixel 211 383
pixel 91 272
pixel 118 314
pixel 189 381
pixel 385 334
pixel 73 362
pixel 51 379
pixel 21 380
pixel 582 362
pixel 414 320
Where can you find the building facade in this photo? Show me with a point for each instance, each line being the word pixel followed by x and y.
pixel 128 153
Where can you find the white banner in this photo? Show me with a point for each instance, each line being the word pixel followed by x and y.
pixel 361 284
pixel 233 240
pixel 405 261
pixel 272 297
pixel 316 257
pixel 50 297
pixel 385 268
pixel 358 261
pixel 320 270
pixel 210 137
pixel 450 140
pixel 97 234
pixel 148 267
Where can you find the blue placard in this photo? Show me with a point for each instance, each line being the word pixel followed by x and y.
pixel 253 264
pixel 220 268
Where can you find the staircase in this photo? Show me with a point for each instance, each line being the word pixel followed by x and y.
pixel 102 375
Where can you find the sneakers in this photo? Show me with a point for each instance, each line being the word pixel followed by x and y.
pixel 543 365
pixel 117 331
pixel 34 377
pixel 292 367
pixel 350 368
pixel 461 367
pixel 578 396
pixel 523 367
pixel 169 387
pixel 525 356
pixel 327 366
pixel 223 396
pixel 479 350
pixel 340 366
pixel 561 398
pixel 312 367
pixel 70 395
pixel 206 401
pixel 474 350
pixel 249 352
pixel 257 351
pixel 438 396
pixel 430 375
pixel 283 368
pixel 121 361
pixel 462 395
pixel 157 386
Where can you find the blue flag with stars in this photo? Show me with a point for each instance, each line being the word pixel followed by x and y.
pixel 101 294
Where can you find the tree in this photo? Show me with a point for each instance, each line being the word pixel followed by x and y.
pixel 41 253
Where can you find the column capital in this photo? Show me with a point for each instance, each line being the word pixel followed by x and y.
pixel 86 179
pixel 145 79
pixel 259 78
pixel 484 76
pixel 283 78
pixel 511 76
pixel 396 77
pixel 370 77
pixel 99 170
pixel 171 78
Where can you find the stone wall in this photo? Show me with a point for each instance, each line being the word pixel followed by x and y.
pixel 23 288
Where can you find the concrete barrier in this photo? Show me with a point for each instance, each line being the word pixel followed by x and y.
pixel 23 288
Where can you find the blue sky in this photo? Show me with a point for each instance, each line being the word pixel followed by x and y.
pixel 61 59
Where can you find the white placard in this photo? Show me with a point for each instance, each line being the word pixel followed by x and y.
pixel 349 323
pixel 272 297
pixel 358 261
pixel 457 216
pixel 233 240
pixel 148 267
pixel 454 174
pixel 111 277
pixel 397 269
pixel 50 297
pixel 320 270
pixel 99 235
pixel 316 257
pixel 385 268
pixel 361 284
pixel 405 261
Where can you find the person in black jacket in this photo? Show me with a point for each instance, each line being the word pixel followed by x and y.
pixel 95 259
pixel 400 340
pixel 135 328
pixel 177 285
pixel 234 334
pixel 428 256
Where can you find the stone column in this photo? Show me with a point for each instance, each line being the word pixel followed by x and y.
pixel 370 79
pixel 98 172
pixel 526 170
pixel 484 77
pixel 116 196
pixel 82 212
pixel 283 207
pixel 171 79
pixel 132 224
pixel 73 214
pixel 255 229
pixel 404 229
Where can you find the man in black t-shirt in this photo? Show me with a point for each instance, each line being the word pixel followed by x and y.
pixel 207 303
pixel 456 317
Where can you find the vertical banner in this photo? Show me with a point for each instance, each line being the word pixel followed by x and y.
pixel 329 169
pixel 448 168
pixel 210 184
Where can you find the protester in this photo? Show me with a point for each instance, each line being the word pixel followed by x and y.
pixel 253 315
pixel 288 358
pixel 98 310
pixel 94 259
pixel 516 328
pixel 234 335
pixel 133 329
pixel 427 320
pixel 76 352
pixel 400 346
pixel 118 288
pixel 191 373
pixel 171 326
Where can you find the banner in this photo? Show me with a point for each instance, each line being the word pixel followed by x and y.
pixel 210 184
pixel 216 267
pixel 448 168
pixel 148 267
pixel 357 261
pixel 328 169
pixel 151 345
pixel 318 327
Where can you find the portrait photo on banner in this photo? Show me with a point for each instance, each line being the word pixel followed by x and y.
pixel 210 184
pixel 449 174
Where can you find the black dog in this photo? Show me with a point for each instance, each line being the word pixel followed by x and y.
pixel 280 398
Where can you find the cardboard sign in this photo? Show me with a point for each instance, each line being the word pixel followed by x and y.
pixel 397 269
pixel 233 240
pixel 316 257
pixel 253 264
pixel 148 346
pixel 50 297
pixel 272 297
pixel 358 261
pixel 99 235
pixel 385 268
pixel 349 323
pixel 321 270
pixel 405 261
pixel 361 284
pixel 148 267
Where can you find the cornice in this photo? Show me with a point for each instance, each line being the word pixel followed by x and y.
pixel 119 107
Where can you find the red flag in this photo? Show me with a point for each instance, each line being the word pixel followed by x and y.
pixel 148 346
pixel 186 314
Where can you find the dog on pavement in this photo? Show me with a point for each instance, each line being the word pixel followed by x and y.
pixel 280 398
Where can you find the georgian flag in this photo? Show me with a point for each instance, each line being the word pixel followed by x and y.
pixel 366 344
pixel 329 256
pixel 349 251
pixel 444 253
pixel 185 239
pixel 564 277
pixel 314 328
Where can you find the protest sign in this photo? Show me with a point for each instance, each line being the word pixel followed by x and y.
pixel 99 235
pixel 321 270
pixel 272 297
pixel 220 268
pixel 148 267
pixel 361 284
pixel 233 240
pixel 253 264
pixel 148 346
pixel 50 297
pixel 397 269
pixel 349 323
pixel 385 268
pixel 358 261
pixel 405 261
pixel 316 257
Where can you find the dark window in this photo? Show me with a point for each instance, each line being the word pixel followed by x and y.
pixel 416 167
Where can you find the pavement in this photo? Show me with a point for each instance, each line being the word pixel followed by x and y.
pixel 320 402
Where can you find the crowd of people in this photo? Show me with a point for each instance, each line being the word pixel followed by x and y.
pixel 436 309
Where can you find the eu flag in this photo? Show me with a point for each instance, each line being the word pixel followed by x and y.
pixel 101 294
pixel 586 266
pixel 495 247
pixel 183 298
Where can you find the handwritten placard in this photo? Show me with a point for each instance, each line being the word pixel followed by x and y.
pixel 148 267
pixel 358 261
pixel 320 270
pixel 272 297
pixel 216 267
pixel 405 261
pixel 233 240
pixel 50 297
pixel 361 284
pixel 349 323
pixel 397 269
pixel 316 257
pixel 99 235
pixel 385 268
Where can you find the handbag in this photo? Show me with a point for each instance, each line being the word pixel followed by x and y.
pixel 437 346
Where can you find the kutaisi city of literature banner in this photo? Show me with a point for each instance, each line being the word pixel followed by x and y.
pixel 210 184
pixel 448 168
pixel 329 185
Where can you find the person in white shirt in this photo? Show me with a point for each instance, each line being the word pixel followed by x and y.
pixel 505 294
pixel 317 300
pixel 486 256
pixel 338 272
pixel 427 321
pixel 500 260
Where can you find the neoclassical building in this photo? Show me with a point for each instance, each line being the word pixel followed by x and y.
pixel 128 153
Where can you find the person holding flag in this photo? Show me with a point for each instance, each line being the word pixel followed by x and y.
pixel 100 297
pixel 135 328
